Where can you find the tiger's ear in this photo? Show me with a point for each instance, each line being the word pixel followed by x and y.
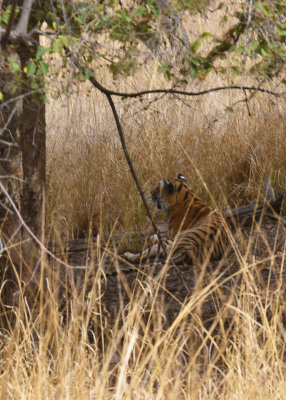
pixel 181 177
pixel 169 187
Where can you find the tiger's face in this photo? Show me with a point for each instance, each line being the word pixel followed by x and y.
pixel 168 193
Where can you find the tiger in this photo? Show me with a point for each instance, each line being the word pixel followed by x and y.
pixel 196 233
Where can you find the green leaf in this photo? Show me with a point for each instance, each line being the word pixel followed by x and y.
pixel 87 73
pixel 266 10
pixel 265 52
pixel 163 67
pixel 196 61
pixel 281 32
pixel 154 9
pixel 90 58
pixel 31 68
pixel 205 35
pixel 6 15
pixel 254 44
pixel 64 40
pixel 80 19
pixel 57 46
pixel 34 84
pixel 1 96
pixel 55 25
pixel 41 50
pixel 195 46
pixel 13 64
pixel 44 67
pixel 222 70
pixel 140 10
pixel 236 70
pixel 193 72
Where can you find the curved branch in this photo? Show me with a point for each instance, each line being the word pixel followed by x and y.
pixel 185 93
pixel 168 91
pixel 201 93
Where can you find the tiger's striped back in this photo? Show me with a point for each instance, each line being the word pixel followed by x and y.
pixel 197 230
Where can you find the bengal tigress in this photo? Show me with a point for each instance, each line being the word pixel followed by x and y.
pixel 195 231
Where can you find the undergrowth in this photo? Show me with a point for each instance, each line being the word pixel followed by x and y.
pixel 68 345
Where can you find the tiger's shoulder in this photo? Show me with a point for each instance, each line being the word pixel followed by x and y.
pixel 185 208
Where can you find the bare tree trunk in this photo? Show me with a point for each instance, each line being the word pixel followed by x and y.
pixel 24 125
pixel 33 145
pixel 10 171
pixel 10 118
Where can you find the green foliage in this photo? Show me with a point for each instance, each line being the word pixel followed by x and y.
pixel 193 6
pixel 87 73
pixel 6 14
pixel 31 68
pixel 195 46
pixel 125 65
pixel 265 44
pixel 41 50
pixel 258 35
pixel 164 68
pixel 13 64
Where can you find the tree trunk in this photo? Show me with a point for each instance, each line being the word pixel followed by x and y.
pixel 10 171
pixel 10 121
pixel 33 145
pixel 26 129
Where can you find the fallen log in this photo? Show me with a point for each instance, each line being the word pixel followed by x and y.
pixel 241 216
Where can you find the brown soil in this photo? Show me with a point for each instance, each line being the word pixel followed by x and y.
pixel 261 246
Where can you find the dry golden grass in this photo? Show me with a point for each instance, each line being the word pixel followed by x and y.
pixel 48 357
pixel 88 177
pixel 90 189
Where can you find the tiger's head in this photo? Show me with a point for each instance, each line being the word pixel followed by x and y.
pixel 168 193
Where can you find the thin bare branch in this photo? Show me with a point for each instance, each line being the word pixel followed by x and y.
pixel 131 167
pixel 200 93
pixel 34 237
pixel 2 130
pixel 20 97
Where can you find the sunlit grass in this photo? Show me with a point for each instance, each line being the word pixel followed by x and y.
pixel 88 177
pixel 224 153
pixel 135 354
